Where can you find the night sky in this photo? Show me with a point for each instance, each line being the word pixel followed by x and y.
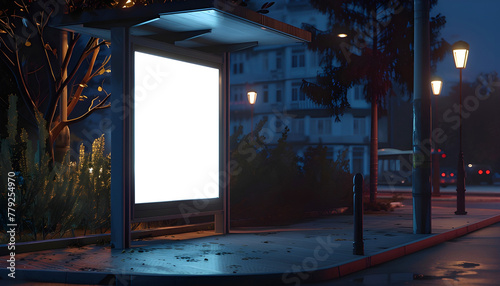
pixel 478 23
pixel 474 21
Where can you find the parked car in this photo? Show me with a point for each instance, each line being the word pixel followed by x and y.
pixel 478 173
pixel 447 176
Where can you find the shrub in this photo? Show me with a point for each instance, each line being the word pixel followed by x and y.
pixel 272 185
pixel 52 198
pixel 328 181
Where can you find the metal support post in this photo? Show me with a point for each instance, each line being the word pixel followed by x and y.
pixel 121 137
pixel 358 247
pixel 461 165
pixel 421 188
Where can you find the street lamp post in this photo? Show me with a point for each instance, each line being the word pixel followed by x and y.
pixel 460 55
pixel 436 86
pixel 252 97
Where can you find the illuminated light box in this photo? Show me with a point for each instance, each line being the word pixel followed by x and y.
pixel 176 129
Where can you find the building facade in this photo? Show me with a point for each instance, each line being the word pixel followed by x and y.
pixel 276 74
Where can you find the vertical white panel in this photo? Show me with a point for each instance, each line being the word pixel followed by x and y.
pixel 176 130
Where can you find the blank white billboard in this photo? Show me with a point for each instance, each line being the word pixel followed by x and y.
pixel 176 130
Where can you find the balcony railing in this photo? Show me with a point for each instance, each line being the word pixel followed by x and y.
pixel 305 104
pixel 261 107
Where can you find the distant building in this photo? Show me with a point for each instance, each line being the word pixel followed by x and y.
pixel 276 73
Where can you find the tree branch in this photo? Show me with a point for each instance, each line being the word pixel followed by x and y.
pixel 84 55
pixel 54 132
pixel 55 99
pixel 69 53
pixel 7 57
pixel 23 81
pixel 5 45
pixel 85 80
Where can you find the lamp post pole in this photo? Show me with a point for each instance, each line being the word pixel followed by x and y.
pixel 436 86
pixel 460 55
pixel 252 97
pixel 251 124
pixel 461 165
pixel 421 171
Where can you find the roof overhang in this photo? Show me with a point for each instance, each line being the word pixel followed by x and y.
pixel 210 25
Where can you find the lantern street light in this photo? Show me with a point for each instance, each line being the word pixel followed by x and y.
pixel 460 55
pixel 436 86
pixel 252 97
pixel 342 32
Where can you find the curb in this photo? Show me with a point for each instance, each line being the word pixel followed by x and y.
pixel 336 271
pixel 399 251
pixel 23 247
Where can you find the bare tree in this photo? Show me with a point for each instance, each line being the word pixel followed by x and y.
pixel 43 70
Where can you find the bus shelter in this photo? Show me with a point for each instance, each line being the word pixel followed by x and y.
pixel 170 104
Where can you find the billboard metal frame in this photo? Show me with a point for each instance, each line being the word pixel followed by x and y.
pixel 197 207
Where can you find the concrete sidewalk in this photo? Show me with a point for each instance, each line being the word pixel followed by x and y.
pixel 311 251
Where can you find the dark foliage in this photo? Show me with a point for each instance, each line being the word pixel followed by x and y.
pixel 271 185
pixel 377 53
pixel 480 122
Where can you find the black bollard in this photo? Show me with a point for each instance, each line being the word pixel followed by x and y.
pixel 358 247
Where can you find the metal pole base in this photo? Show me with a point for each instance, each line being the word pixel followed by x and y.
pixel 358 248
pixel 461 185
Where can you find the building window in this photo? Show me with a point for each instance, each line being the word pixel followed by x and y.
pixel 324 126
pixel 237 68
pixel 298 59
pixel 358 158
pixel 278 95
pixel 297 126
pixel 279 57
pixel 297 94
pixel 236 94
pixel 358 126
pixel 358 92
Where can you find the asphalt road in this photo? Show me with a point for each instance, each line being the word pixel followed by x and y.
pixel 473 259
